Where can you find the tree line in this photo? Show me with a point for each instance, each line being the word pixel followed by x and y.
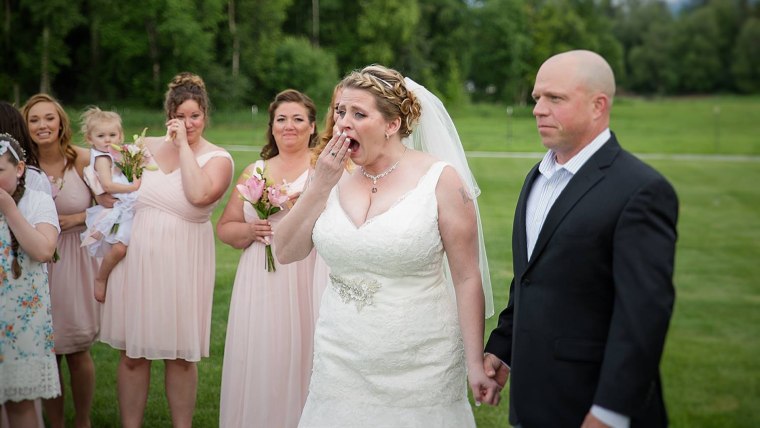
pixel 86 51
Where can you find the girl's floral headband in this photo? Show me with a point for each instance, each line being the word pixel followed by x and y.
pixel 5 145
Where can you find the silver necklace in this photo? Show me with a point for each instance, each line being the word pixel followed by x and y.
pixel 374 178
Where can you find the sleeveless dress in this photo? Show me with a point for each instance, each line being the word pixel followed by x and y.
pixel 27 362
pixel 111 224
pixel 76 313
pixel 158 304
pixel 388 349
pixel 268 348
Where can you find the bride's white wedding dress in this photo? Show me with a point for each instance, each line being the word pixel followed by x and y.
pixel 388 349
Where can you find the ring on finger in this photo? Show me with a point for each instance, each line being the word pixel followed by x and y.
pixel 333 154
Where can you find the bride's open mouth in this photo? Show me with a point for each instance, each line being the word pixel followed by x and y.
pixel 353 145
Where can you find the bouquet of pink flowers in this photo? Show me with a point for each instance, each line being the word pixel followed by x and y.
pixel 133 158
pixel 266 198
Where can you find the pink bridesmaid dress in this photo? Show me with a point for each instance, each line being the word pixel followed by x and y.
pixel 76 313
pixel 269 345
pixel 158 304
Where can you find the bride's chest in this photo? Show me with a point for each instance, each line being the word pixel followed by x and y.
pixel 402 238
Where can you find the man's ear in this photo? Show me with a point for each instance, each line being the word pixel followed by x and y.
pixel 601 103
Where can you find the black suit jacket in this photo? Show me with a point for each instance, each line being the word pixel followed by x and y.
pixel 588 313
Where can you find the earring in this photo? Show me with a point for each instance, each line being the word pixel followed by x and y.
pixel 387 136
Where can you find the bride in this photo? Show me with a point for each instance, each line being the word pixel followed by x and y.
pixel 395 342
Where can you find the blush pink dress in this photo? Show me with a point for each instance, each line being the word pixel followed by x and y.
pixel 158 304
pixel 268 348
pixel 76 313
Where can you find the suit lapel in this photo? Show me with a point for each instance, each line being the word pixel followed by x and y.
pixel 584 180
pixel 519 237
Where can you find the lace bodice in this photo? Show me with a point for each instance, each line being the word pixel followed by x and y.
pixel 400 242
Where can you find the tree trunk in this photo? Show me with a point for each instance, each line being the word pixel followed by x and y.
pixel 235 39
pixel 315 23
pixel 150 28
pixel 95 77
pixel 7 27
pixel 45 61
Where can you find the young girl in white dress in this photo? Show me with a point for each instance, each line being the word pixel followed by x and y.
pixel 28 236
pixel 108 229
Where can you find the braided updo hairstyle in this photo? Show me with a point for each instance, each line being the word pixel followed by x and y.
pixel 186 86
pixel 17 195
pixel 391 95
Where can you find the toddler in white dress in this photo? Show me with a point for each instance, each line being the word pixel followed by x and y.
pixel 108 229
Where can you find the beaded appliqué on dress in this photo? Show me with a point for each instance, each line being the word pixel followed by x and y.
pixel 361 291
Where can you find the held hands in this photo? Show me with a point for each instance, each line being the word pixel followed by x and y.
pixel 495 369
pixel 484 388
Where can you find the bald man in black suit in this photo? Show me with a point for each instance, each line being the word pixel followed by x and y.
pixel 593 246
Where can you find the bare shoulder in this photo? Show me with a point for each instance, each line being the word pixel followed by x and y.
pixel 83 156
pixel 449 180
pixel 211 147
pixel 422 161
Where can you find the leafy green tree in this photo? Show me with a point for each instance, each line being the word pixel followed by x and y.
pixel 140 48
pixel 260 24
pixel 695 52
pixel 303 67
pixel 503 64
pixel 746 54
pixel 580 24
pixel 385 27
pixel 434 56
pixel 51 21
pixel 634 23
pixel 19 76
pixel 337 32
pixel 650 66
pixel 728 19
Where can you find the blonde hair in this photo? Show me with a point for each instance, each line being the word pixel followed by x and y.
pixel 65 132
pixel 327 133
pixel 392 97
pixel 93 115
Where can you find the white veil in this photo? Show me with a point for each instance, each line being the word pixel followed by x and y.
pixel 435 134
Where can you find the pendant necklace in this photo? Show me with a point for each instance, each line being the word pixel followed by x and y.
pixel 374 178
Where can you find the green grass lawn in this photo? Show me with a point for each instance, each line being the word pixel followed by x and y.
pixel 711 368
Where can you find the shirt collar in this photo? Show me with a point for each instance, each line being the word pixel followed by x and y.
pixel 549 164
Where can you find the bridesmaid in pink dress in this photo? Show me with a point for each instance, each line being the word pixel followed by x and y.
pixel 268 348
pixel 158 305
pixel 76 314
